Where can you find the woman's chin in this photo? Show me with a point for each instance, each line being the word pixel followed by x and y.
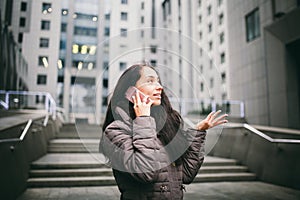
pixel 156 102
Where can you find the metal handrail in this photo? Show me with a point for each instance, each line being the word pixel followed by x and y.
pixel 257 132
pixel 268 138
pixel 22 136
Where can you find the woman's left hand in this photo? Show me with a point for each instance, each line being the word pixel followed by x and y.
pixel 211 121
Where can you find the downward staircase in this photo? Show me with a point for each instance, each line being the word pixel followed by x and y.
pixel 73 160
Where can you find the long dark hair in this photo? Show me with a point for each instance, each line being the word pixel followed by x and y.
pixel 168 121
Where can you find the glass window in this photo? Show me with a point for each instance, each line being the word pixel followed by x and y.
pixel 209 27
pixel 209 10
pixel 142 5
pixel 210 45
pixel 153 63
pixel 41 79
pixel 122 65
pixel 85 31
pixel 223 76
pixel 201 87
pixel 23 6
pixel 106 31
pixel 221 18
pixel 64 12
pixel 124 2
pixel 252 25
pixel 221 38
pixel 63 27
pixel 220 2
pixel 200 18
pixel 43 61
pixel 45 25
pixel 199 3
pixel 222 58
pixel 107 16
pixel 124 16
pixel 20 37
pixel 62 44
pixel 44 42
pixel 22 22
pixel 153 48
pixel 123 32
pixel 46 8
pixel 142 19
pixel 200 35
pixel 211 82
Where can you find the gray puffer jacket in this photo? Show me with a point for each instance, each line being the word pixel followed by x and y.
pixel 141 165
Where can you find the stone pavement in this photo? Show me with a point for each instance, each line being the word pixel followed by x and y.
pixel 203 191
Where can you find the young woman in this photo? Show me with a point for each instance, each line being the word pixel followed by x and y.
pixel 151 155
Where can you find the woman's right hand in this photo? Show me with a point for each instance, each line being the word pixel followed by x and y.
pixel 141 107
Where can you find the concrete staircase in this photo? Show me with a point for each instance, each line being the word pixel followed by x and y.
pixel 72 161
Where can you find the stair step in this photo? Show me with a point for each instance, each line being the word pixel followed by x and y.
pixel 71 172
pixel 109 180
pixel 71 181
pixel 108 171
pixel 218 177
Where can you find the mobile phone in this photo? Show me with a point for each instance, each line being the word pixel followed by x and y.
pixel 132 92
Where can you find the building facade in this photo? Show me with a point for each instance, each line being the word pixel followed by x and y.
pixel 264 60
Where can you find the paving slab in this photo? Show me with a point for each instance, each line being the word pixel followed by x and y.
pixel 204 191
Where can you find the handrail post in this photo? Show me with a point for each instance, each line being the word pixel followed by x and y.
pixel 242 108
pixel 7 99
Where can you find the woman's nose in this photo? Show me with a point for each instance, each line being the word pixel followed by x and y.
pixel 159 86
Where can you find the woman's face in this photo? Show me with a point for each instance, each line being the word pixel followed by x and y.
pixel 149 85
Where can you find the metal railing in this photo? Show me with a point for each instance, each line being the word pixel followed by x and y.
pixel 255 131
pixel 22 136
pixel 27 99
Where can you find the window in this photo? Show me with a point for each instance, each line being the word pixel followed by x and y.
pixel 106 31
pixel 64 12
pixel 201 69
pixel 85 31
pixel 22 22
pixel 142 19
pixel 153 63
pixel 105 65
pixel 46 8
pixel 209 10
pixel 122 65
pixel 200 35
pixel 199 3
pixel 123 32
pixel 45 25
pixel 63 27
pixel 62 44
pixel 210 45
pixel 124 2
pixel 201 87
pixel 23 6
pixel 44 42
pixel 211 63
pixel 220 2
pixel 153 48
pixel 41 79
pixel 252 25
pixel 201 52
pixel 124 16
pixel 223 76
pixel 221 36
pixel 20 37
pixel 222 58
pixel 211 82
pixel 200 18
pixel 107 16
pixel 221 19
pixel 209 27
pixel 142 33
pixel 43 61
pixel 142 5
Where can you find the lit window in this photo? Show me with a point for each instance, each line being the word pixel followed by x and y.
pixel 80 65
pixel 75 48
pixel 64 12
pixel 92 50
pixel 46 8
pixel 252 25
pixel 84 49
pixel 43 61
pixel 90 66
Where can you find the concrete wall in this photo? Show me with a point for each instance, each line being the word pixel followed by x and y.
pixel 16 157
pixel 271 162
